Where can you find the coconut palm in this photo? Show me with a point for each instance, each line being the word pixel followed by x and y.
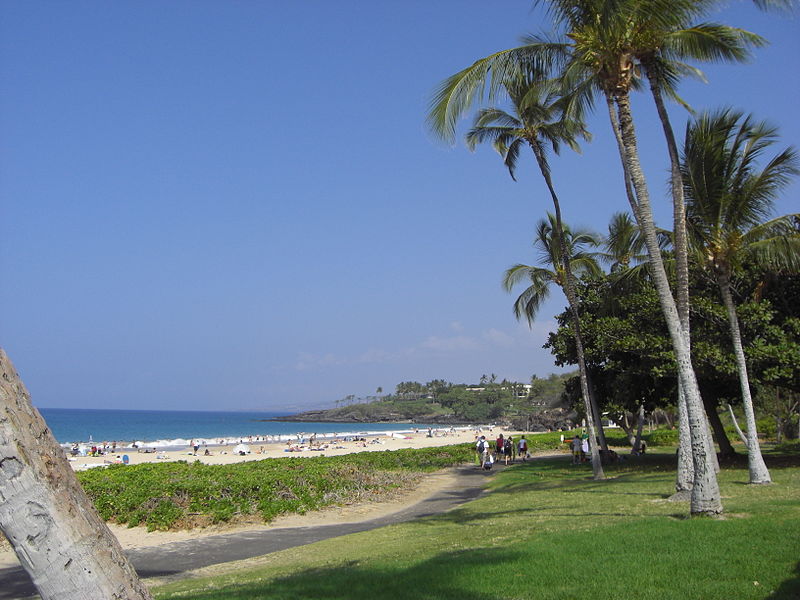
pixel 599 51
pixel 660 55
pixel 608 40
pixel 582 262
pixel 728 197
pixel 535 123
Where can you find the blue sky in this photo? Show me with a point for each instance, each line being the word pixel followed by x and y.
pixel 237 205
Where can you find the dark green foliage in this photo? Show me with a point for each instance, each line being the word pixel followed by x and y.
pixel 166 495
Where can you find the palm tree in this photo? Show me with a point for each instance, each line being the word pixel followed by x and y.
pixel 728 198
pixel 625 248
pixel 608 40
pixel 551 245
pixel 534 124
pixel 581 262
pixel 599 51
pixel 660 54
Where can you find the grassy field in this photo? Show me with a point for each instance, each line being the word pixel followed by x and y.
pixel 548 531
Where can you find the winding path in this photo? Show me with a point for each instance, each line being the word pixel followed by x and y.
pixel 174 559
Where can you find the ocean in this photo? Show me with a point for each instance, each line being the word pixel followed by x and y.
pixel 175 429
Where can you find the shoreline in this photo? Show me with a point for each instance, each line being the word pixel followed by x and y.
pixel 308 445
pixel 300 437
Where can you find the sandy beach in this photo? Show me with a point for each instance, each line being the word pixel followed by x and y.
pixel 428 485
pixel 227 454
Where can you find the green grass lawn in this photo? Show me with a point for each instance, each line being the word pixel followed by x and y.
pixel 548 531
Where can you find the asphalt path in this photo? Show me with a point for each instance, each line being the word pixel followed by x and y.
pixel 170 560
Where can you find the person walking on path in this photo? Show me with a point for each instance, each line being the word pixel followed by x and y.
pixel 482 448
pixel 523 448
pixel 508 449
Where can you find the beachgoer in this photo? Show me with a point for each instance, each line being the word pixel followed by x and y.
pixel 508 449
pixel 500 445
pixel 584 448
pixel 523 448
pixel 481 448
pixel 576 449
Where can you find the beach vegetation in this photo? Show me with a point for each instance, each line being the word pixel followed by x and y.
pixel 164 496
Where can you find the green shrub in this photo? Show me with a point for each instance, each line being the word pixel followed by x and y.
pixel 662 437
pixel 163 495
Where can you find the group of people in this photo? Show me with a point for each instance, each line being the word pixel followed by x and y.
pixel 504 448
pixel 580 449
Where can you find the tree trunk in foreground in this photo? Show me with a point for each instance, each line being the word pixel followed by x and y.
pixel 52 525
pixel 706 498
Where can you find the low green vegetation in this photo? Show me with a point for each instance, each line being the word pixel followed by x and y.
pixel 174 495
pixel 548 531
pixel 183 495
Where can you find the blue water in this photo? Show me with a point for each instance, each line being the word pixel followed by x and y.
pixel 175 428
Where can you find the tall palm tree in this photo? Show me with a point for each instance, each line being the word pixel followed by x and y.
pixel 608 40
pixel 729 197
pixel 542 279
pixel 535 123
pixel 597 53
pixel 660 55
pixel 551 244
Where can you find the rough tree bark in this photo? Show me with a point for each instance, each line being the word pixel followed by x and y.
pixel 52 525
pixel 706 498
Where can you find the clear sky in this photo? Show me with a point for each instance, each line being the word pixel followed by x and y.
pixel 237 205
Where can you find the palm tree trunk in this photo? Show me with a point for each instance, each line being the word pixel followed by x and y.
pixel 55 531
pixel 681 247
pixel 725 448
pixel 705 491
pixel 598 417
pixel 569 291
pixel 738 429
pixel 755 462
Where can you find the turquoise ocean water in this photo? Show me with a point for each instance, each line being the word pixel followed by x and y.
pixel 165 428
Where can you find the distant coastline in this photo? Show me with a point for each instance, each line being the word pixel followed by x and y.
pixel 325 416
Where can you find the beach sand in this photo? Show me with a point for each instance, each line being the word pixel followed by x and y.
pixel 138 537
pixel 224 455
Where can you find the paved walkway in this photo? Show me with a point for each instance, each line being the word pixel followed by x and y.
pixel 170 560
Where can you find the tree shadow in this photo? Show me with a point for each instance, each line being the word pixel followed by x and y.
pixel 789 589
pixel 438 578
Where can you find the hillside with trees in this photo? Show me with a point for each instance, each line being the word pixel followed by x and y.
pixel 538 405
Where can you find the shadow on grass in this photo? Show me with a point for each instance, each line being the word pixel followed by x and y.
pixel 439 578
pixel 789 589
pixel 461 516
